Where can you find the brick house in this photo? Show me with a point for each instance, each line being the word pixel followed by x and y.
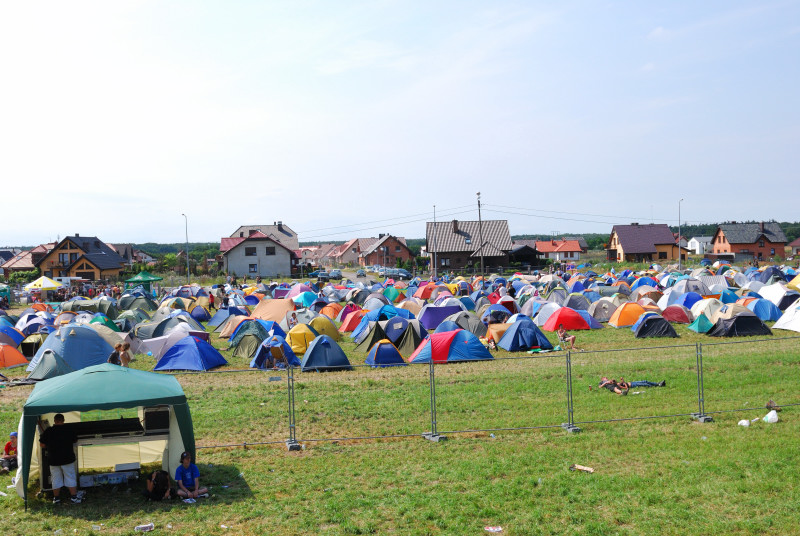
pixel 747 241
pixel 386 251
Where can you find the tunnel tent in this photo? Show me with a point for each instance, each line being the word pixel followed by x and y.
pixel 107 387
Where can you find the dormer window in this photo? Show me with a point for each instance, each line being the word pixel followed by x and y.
pixel 467 240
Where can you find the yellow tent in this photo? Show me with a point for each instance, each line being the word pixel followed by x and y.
pixel 325 326
pixel 299 337
pixel 794 284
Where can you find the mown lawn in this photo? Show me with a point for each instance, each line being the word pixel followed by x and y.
pixel 665 476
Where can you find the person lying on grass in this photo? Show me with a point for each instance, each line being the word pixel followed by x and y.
pixel 187 476
pixel 641 383
pixel 613 386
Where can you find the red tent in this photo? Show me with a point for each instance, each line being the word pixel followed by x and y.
pixel 352 320
pixel 569 317
pixel 678 313
pixel 424 293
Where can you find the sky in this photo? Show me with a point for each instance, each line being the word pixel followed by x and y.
pixel 352 118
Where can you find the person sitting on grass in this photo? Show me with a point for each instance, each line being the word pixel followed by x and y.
pixel 613 386
pixel 187 476
pixel 9 460
pixel 564 337
pixel 158 486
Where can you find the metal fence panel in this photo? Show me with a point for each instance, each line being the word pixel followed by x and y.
pixel 747 373
pixel 364 402
pixel 501 394
pixel 674 365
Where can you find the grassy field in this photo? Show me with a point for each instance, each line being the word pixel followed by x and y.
pixel 667 476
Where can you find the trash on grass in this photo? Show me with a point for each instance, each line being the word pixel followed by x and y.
pixel 744 422
pixel 3 494
pixel 144 528
pixel 576 467
pixel 772 417
pixel 189 500
pixel 493 529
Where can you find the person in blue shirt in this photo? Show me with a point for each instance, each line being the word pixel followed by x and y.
pixel 187 476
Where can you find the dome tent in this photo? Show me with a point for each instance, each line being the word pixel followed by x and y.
pixel 324 354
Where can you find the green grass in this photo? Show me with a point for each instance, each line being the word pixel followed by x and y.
pixel 666 476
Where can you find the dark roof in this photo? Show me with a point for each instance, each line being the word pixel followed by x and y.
pixel 748 233
pixel 94 249
pixel 452 236
pixel 6 254
pixel 643 238
pixel 581 240
pixel 794 243
pixel 103 261
pixel 379 242
pixel 233 243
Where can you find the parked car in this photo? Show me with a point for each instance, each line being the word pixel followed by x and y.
pixel 313 274
pixel 361 273
pixel 323 276
pixel 335 273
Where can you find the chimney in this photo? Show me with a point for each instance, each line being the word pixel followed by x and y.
pixel 280 226
pixel 77 235
pixel 381 235
pixel 455 226
pixel 761 226
pixel 635 223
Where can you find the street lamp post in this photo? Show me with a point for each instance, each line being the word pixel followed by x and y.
pixel 188 280
pixel 679 235
pixel 480 230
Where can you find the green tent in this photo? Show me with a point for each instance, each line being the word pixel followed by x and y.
pixel 143 278
pixel 5 290
pixel 104 387
pixel 701 324
pixel 106 322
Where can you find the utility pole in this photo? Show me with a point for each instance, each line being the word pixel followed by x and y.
pixel 480 230
pixel 188 280
pixel 679 234
pixel 434 241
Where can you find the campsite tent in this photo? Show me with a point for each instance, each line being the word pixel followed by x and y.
pixel 274 310
pixel 654 325
pixel 678 313
pixel 741 325
pixel 431 316
pixel 523 335
pixel 78 346
pixel 701 324
pixel 384 354
pixel 107 387
pixel 300 336
pixel 449 347
pixel 11 357
pixel 470 322
pixel 191 353
pixel 274 346
pixel 324 354
pixel 571 320
pixel 790 319
pixel 764 309
pixel 626 315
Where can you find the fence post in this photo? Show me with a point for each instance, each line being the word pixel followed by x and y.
pixel 291 443
pixel 569 426
pixel 433 435
pixel 701 402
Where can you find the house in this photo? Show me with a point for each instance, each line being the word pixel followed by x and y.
pixel 747 241
pixel 125 251
pixel 795 245
pixel 683 240
pixel 642 243
pixel 256 255
pixel 86 257
pixel 278 232
pixel 386 251
pixel 21 262
pixel 349 252
pixel 560 250
pixel 457 244
pixel 699 245
pixel 524 252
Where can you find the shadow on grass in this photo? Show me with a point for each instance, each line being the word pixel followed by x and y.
pixel 102 503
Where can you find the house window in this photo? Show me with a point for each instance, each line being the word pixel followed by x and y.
pixel 73 257
pixel 445 261
pixel 269 250
pixel 397 248
pixel 250 252
pixel 662 254
pixel 62 258
pixel 772 251
pixel 467 240
pixel 761 243
pixel 253 268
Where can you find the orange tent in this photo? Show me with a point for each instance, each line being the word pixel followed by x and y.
pixel 11 357
pixel 274 310
pixel 745 301
pixel 352 320
pixel 495 331
pixel 41 307
pixel 626 315
pixel 331 310
pixel 424 293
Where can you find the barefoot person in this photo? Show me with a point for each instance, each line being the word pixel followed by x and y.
pixel 187 476
pixel 564 337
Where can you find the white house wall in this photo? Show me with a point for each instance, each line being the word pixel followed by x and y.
pixel 266 265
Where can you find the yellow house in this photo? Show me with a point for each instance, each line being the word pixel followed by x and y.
pixel 86 257
pixel 641 243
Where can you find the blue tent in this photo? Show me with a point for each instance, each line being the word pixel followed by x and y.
pixel 686 299
pixel 384 313
pixel 447 325
pixel 771 272
pixel 266 327
pixel 12 333
pixel 576 286
pixel 468 303
pixel 200 313
pixel 765 309
pixel 592 321
pixel 191 353
pixel 431 316
pixel 79 346
pixel 384 354
pixel 266 348
pixel 642 318
pixel 449 347
pixel 728 296
pixel 324 354
pixel 523 335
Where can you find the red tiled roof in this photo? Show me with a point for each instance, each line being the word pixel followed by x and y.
pixel 553 246
pixel 226 244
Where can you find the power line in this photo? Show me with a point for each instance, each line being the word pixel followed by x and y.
pixel 615 216
pixel 375 227
pixel 376 221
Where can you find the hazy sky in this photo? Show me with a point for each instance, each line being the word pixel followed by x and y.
pixel 348 118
